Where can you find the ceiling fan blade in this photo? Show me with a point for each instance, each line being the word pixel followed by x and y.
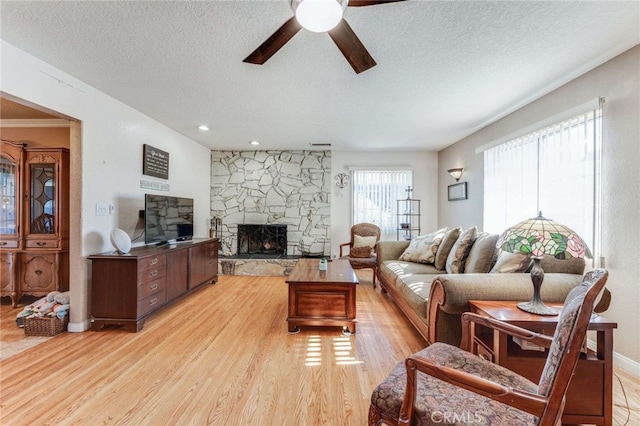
pixel 274 43
pixel 359 3
pixel 351 47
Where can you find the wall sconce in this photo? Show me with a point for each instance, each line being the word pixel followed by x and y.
pixel 456 173
pixel 342 180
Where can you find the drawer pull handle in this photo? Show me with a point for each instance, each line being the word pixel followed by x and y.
pixel 41 243
pixel 153 273
pixel 153 286
pixel 154 261
pixel 38 272
pixel 153 301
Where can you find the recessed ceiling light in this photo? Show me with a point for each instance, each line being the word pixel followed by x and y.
pixel 203 127
pixel 254 143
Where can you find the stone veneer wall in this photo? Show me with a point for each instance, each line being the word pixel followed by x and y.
pixel 265 187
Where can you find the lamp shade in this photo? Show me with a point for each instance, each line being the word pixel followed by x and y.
pixel 456 173
pixel 539 236
pixel 318 15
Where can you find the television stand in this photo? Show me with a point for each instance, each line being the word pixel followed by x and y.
pixel 127 289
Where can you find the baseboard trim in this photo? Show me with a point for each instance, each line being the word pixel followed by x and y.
pixel 620 361
pixel 79 327
pixel 626 364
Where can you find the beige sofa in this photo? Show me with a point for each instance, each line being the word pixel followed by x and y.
pixel 433 299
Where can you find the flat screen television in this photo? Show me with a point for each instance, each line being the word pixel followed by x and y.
pixel 167 219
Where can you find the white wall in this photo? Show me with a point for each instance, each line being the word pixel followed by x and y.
pixel 618 82
pixel 425 187
pixel 109 167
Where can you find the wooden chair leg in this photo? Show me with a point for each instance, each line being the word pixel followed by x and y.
pixel 374 278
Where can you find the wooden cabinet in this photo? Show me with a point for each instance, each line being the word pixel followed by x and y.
pixel 127 288
pixel 38 273
pixel 11 190
pixel 8 274
pixel 589 397
pixel 47 199
pixel 34 221
pixel 203 263
pixel 178 274
pixel 10 217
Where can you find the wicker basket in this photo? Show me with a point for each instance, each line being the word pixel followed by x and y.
pixel 46 326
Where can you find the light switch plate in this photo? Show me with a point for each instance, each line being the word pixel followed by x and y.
pixel 102 209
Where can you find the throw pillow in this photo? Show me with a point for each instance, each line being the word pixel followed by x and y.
pixel 482 254
pixel 360 241
pixel 511 263
pixel 460 251
pixel 423 249
pixel 360 252
pixel 575 265
pixel 449 239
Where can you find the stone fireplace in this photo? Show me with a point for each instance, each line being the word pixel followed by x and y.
pixel 290 188
pixel 262 240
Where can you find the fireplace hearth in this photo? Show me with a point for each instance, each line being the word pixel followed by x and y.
pixel 262 240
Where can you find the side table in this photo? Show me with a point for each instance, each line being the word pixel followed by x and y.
pixel 590 393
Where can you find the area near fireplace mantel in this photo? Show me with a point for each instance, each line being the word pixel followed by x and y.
pixel 265 241
pixel 291 188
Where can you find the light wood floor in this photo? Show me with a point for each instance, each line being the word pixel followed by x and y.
pixel 221 356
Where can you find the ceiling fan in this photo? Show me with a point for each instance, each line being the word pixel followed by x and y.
pixel 321 16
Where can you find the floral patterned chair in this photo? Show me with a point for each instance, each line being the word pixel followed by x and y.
pixel 362 255
pixel 447 385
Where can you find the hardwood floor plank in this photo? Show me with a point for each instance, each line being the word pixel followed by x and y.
pixel 223 357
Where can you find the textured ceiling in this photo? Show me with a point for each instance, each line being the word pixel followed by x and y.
pixel 445 68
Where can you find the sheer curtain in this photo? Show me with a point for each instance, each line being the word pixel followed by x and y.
pixel 375 194
pixel 554 170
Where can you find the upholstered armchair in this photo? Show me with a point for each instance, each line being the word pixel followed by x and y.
pixel 361 249
pixel 444 384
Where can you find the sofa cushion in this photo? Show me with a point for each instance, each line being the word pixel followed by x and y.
pixel 482 254
pixel 449 239
pixel 423 248
pixel 415 291
pixel 398 268
pixel 511 262
pixel 575 265
pixel 460 251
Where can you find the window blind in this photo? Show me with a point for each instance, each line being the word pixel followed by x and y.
pixel 555 170
pixel 374 197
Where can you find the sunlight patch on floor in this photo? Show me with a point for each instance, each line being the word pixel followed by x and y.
pixel 343 351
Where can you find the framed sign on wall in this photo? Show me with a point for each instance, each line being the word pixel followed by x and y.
pixel 155 162
pixel 458 191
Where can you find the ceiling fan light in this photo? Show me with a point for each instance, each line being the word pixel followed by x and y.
pixel 319 16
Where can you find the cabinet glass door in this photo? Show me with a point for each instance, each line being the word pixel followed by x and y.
pixel 8 191
pixel 42 201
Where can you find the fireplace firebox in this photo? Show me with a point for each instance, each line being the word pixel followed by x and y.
pixel 266 240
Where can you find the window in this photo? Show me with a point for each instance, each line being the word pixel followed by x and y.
pixel 375 195
pixel 554 170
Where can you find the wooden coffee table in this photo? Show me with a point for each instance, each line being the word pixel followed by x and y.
pixel 322 298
